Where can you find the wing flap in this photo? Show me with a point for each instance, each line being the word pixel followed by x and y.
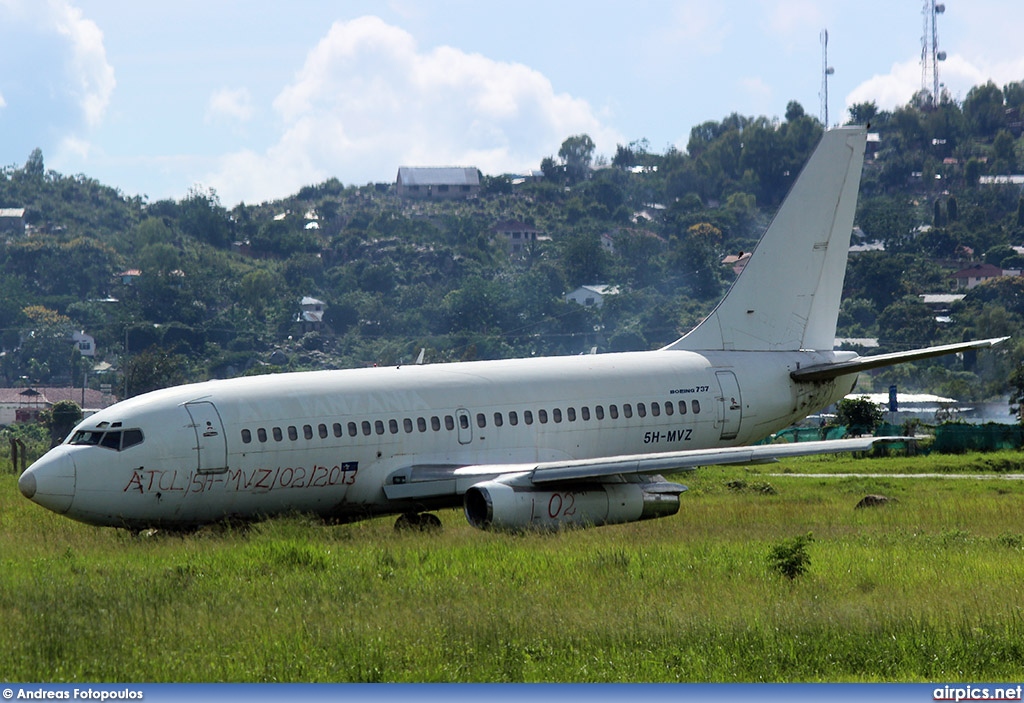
pixel 422 482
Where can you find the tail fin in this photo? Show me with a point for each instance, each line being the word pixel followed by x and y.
pixel 787 297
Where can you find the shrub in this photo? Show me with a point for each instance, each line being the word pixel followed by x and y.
pixel 790 557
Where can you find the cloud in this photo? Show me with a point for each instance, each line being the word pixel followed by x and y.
pixel 91 76
pixel 957 75
pixel 368 100
pixel 57 80
pixel 227 104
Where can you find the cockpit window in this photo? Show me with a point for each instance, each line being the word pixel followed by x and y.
pixel 118 440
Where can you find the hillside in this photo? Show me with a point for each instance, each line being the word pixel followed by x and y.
pixel 185 290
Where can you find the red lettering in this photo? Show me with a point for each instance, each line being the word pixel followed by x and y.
pixel 135 482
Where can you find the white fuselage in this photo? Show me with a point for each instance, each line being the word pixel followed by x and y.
pixel 326 442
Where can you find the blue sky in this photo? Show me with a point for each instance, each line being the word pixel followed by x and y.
pixel 256 99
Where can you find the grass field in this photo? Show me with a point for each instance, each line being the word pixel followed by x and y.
pixel 930 587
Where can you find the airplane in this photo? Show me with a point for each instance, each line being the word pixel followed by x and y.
pixel 520 444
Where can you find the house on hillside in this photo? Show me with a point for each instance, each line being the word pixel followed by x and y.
pixel 12 220
pixel 311 314
pixel 433 183
pixel 25 404
pixel 518 235
pixel 979 273
pixel 591 296
pixel 86 343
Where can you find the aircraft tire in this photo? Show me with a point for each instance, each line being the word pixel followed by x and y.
pixel 424 522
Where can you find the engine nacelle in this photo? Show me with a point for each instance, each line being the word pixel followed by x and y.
pixel 503 505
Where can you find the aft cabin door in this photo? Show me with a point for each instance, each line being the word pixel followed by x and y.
pixel 211 444
pixel 730 405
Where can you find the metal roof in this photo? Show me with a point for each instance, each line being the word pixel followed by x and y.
pixel 438 176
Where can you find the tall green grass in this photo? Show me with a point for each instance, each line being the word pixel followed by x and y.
pixel 929 587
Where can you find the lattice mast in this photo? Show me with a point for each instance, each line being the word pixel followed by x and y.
pixel 826 71
pixel 930 54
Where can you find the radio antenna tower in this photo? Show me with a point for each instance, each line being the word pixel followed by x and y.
pixel 930 54
pixel 826 71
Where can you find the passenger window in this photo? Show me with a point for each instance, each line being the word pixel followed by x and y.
pixel 435 423
pixel 393 426
pixel 570 413
pixel 695 404
pixel 449 423
pixel 528 417
pixel 585 413
pixel 613 412
pixel 277 434
pixel 421 424
pixel 307 431
pixel 336 429
pixel 352 429
pixel 365 425
pixel 655 409
pixel 627 410
pixel 542 415
pixel 378 426
pixel 481 420
pixel 293 434
pixel 132 437
pixel 111 440
pixel 556 414
pixel 682 407
pixel 246 437
pixel 599 412
pixel 261 434
pixel 322 430
pixel 497 420
pixel 668 408
pixel 641 410
pixel 407 425
pixel 513 418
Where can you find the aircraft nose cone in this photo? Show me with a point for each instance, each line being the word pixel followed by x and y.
pixel 50 482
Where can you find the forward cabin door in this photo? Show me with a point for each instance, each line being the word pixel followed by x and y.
pixel 211 444
pixel 730 404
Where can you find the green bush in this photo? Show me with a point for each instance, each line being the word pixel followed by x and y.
pixel 790 557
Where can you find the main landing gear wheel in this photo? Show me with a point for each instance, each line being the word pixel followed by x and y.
pixel 424 522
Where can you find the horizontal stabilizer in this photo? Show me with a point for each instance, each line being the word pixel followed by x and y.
pixel 824 372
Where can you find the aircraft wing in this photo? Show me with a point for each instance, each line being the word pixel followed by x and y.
pixel 434 481
pixel 823 372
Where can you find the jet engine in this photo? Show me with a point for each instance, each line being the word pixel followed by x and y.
pixel 513 504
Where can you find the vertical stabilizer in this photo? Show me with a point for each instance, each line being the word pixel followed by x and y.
pixel 787 297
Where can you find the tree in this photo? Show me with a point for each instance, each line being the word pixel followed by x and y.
pixel 858 415
pixel 152 369
pixel 863 113
pixel 34 167
pixel 794 111
pixel 1017 393
pixel 576 153
pixel 983 108
pixel 61 419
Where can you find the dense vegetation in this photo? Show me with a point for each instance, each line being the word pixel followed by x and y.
pixel 398 276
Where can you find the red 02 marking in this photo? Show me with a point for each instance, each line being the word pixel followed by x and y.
pixel 561 505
